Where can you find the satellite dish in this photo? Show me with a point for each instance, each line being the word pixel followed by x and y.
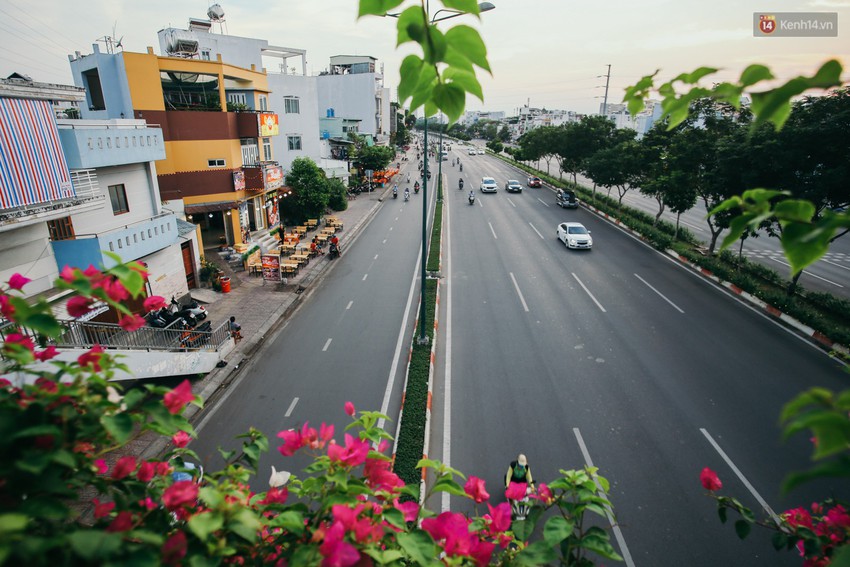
pixel 215 13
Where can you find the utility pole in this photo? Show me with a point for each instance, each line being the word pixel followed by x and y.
pixel 605 100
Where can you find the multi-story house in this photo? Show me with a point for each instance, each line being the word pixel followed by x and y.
pixel 218 168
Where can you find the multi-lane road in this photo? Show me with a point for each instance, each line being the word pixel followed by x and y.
pixel 617 356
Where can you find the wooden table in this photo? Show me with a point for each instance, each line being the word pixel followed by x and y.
pixel 328 231
pixel 312 223
pixel 322 237
pixel 289 268
pixel 301 258
pixel 300 230
pixel 288 247
pixel 255 268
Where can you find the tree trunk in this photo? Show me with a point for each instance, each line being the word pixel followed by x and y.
pixel 792 286
pixel 741 247
pixel 660 200
pixel 676 232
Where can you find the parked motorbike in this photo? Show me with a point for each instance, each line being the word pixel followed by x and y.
pixel 196 309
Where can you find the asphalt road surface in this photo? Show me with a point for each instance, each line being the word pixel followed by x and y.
pixel 619 357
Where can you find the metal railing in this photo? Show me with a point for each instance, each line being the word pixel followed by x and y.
pixel 85 334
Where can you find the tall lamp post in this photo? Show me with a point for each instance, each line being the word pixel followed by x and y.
pixel 423 337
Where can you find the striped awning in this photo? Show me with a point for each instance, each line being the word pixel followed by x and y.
pixel 33 168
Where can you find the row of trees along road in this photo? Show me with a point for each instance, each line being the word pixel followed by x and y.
pixel 709 157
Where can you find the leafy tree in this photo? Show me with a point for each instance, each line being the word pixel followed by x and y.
pixel 496 146
pixel 310 195
pixel 504 134
pixel 376 158
pixel 337 194
pixel 615 167
pixel 578 141
pixel 539 143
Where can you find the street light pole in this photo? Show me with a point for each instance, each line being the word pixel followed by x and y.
pixel 440 163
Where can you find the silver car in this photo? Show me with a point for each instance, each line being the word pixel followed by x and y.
pixel 488 185
pixel 574 235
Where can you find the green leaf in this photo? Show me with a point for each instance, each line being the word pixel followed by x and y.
pixel 46 507
pixel 522 529
pixel 722 512
pixel 743 528
pixel 451 99
pixel 798 210
pixel 204 525
pixel 44 324
pixel 37 430
pixel 291 521
pixel 211 496
pixel 377 7
pixel 433 46
pixel 465 79
pixel 92 545
pixel 418 545
pixel 538 553
pixel 755 74
pixel 245 524
pixel 468 6
pixel 557 529
pixel 10 523
pixel 467 41
pixel 841 557
pixel 803 244
pixel 424 87
pixel 446 484
pixel 395 518
pixel 411 26
pixel 385 557
pixel 119 426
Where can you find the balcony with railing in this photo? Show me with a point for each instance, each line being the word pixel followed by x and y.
pixel 86 196
pixel 104 143
pixel 130 242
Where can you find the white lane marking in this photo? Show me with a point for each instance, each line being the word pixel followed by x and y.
pixel 492 230
pixel 809 273
pixel 618 534
pixel 396 218
pixel 391 228
pixel 291 407
pixel 350 303
pixel 587 291
pixel 661 295
pixel 518 292
pixel 834 264
pixel 364 277
pixel 740 476
pixel 537 231
pixel 693 226
pixel 511 202
pixel 447 373
pixel 376 257
pixel 327 344
pixel 545 204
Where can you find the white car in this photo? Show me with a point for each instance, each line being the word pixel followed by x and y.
pixel 488 185
pixel 471 151
pixel 574 235
pixel 481 151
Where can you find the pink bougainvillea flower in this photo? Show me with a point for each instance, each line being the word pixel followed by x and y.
pixel 78 305
pixel 379 475
pixel 68 274
pixel 146 471
pixel 114 289
pixel 124 467
pixel 92 358
pixel 100 466
pixel 20 340
pixel 482 552
pixel 349 409
pixel 47 354
pixel 500 517
pixel 798 517
pixel 291 442
pixel 177 398
pixel 838 517
pixel 102 509
pixel 276 495
pixel 6 307
pixel 410 510
pixel 153 302
pixel 451 530
pixel 475 489
pixel 179 494
pixel 131 323
pixel 181 439
pixel 516 491
pixel 147 503
pixel 174 549
pixel 710 480
pixel 162 468
pixel 326 433
pixel 123 522
pixel 353 454
pixel 544 493
pixel 335 551
pixel 17 281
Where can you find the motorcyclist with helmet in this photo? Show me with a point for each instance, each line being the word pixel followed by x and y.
pixel 519 471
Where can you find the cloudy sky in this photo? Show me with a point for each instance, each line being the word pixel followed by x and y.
pixel 551 53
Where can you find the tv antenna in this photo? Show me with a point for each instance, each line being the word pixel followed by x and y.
pixel 111 42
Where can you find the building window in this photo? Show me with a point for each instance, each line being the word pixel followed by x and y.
pixel 94 91
pixel 291 105
pixel 267 149
pixel 294 142
pixel 118 198
pixel 205 54
pixel 264 102
pixel 237 98
pixel 61 229
pixel 216 163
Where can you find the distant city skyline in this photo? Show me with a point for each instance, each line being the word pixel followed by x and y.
pixel 543 53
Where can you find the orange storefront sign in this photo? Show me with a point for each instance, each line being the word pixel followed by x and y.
pixel 268 124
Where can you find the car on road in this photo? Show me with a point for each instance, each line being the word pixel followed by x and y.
pixel 481 151
pixel 566 199
pixel 513 186
pixel 574 235
pixel 534 182
pixel 471 151
pixel 488 185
